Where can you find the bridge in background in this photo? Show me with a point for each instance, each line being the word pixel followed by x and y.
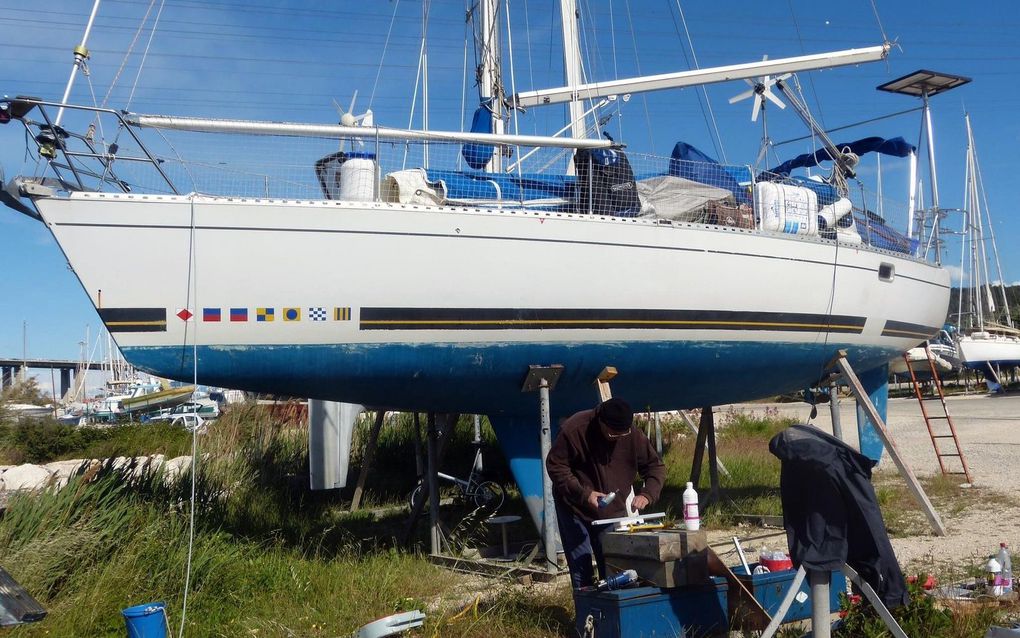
pixel 12 368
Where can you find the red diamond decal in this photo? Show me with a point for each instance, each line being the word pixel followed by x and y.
pixel 185 314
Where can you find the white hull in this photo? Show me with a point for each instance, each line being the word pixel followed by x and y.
pixel 475 281
pixel 980 349
pixel 917 361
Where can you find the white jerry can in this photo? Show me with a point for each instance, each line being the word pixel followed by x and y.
pixel 786 209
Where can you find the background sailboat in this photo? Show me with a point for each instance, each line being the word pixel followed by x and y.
pixel 988 339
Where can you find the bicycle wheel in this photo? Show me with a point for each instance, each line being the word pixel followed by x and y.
pixel 416 495
pixel 489 494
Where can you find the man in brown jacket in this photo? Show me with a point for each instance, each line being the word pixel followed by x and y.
pixel 596 453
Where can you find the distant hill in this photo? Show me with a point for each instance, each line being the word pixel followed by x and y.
pixel 1012 298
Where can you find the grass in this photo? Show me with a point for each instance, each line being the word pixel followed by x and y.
pixel 904 517
pixel 273 558
pixel 752 486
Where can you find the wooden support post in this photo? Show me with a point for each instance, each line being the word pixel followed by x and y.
pixel 713 458
pixel 908 475
pixel 432 480
pixel 435 455
pixel 699 450
pixel 419 462
pixel 366 460
pixel 658 435
pixel 602 381
pixel 690 424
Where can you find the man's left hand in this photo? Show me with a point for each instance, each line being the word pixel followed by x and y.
pixel 640 502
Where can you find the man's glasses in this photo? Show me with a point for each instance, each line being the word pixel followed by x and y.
pixel 610 434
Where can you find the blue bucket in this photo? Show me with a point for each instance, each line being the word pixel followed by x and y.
pixel 146 621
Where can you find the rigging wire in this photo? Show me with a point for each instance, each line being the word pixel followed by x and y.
pixel 847 126
pixel 637 65
pixel 811 79
pixel 591 53
pixel 878 19
pixel 127 54
pixel 192 287
pixel 382 58
pixel 717 142
pixel 980 186
pixel 513 86
pixel 531 64
pixel 464 75
pixel 145 54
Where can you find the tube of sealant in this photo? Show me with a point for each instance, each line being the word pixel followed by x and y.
pixel 604 501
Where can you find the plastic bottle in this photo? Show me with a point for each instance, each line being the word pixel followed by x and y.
pixel 1006 575
pixel 994 570
pixel 618 581
pixel 692 520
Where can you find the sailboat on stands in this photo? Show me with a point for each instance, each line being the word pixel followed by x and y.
pixel 988 341
pixel 427 270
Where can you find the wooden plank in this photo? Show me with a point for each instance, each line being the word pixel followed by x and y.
pixel 660 545
pixel 366 461
pixel 693 428
pixel 908 475
pixel 699 450
pixel 602 382
pixel 502 570
pixel 713 459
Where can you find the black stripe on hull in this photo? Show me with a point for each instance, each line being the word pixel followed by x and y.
pixel 904 329
pixel 570 318
pixel 134 319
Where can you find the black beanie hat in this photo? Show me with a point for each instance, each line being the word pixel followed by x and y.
pixel 616 414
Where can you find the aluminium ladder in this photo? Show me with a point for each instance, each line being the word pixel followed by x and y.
pixel 941 397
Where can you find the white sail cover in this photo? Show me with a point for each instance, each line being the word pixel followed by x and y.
pixel 678 199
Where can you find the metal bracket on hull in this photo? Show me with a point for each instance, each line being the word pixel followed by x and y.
pixel 864 401
pixel 10 196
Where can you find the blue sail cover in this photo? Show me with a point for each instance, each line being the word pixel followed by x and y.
pixel 478 155
pixel 689 163
pixel 505 186
pixel 897 147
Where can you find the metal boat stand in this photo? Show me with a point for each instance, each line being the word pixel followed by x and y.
pixel 543 379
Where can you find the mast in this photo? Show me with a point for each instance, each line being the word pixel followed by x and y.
pixel 81 53
pixel 490 84
pixel 573 72
pixel 979 191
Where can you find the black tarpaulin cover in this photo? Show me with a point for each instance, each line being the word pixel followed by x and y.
pixel 830 510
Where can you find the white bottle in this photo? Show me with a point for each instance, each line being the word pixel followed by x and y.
pixel 1006 575
pixel 692 520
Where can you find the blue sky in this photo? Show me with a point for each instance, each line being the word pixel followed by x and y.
pixel 289 60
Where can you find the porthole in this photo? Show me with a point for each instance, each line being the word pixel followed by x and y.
pixel 886 272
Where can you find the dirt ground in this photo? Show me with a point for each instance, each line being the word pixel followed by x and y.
pixel 989 431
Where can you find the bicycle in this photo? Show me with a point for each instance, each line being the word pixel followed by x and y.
pixel 488 494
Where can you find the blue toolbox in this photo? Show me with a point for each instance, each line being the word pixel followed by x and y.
pixel 653 612
pixel 770 588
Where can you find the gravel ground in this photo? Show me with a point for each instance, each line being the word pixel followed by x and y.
pixel 989 431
